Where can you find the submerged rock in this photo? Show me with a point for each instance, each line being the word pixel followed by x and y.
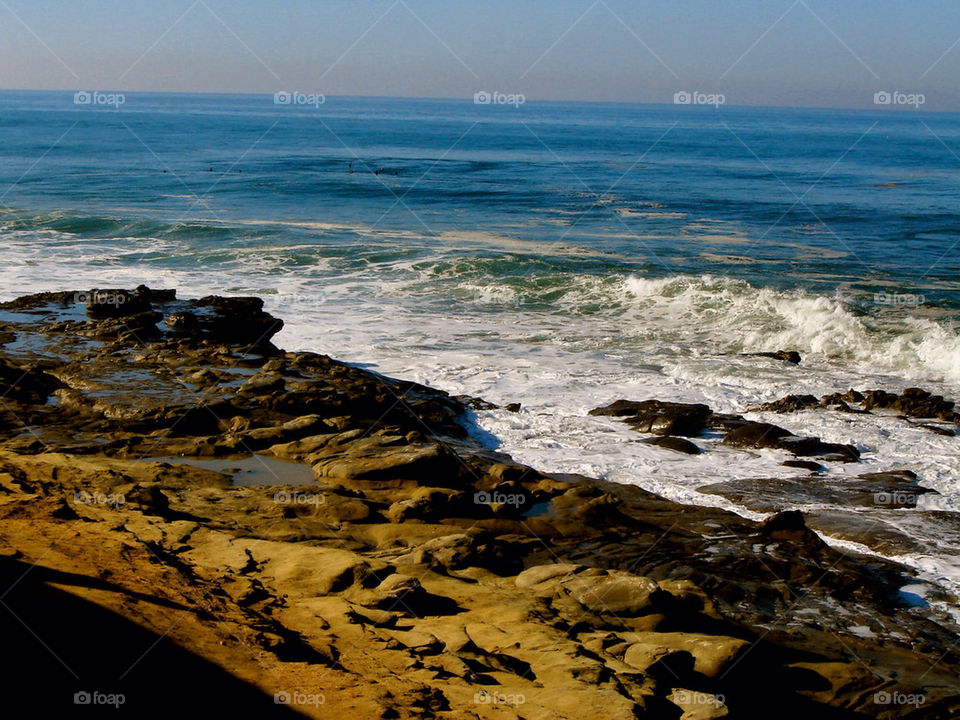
pixel 790 356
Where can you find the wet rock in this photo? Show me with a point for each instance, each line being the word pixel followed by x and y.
pixel 103 304
pixel 183 322
pixel 659 418
pixel 791 520
pixel 138 327
pixel 790 356
pixel 27 385
pixel 791 403
pixel 756 435
pixel 919 403
pixel 236 320
pixel 263 385
pixel 771 494
pixel 677 444
pixel 803 465
pixel 765 435
pixel 811 446
pixel 789 526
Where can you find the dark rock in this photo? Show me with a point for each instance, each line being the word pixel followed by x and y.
pixel 236 320
pixel 836 401
pixel 27 385
pixel 138 327
pixel 811 446
pixel 659 418
pixel 918 403
pixel 103 304
pixel 183 322
pixel 262 385
pixel 789 520
pixel 765 435
pixel 939 430
pixel 803 465
pixel 512 407
pixel 790 356
pixel 756 435
pixel 475 403
pixel 852 396
pixel 791 403
pixel 725 422
pixel 894 475
pixel 674 443
pixel 154 295
pixel 879 399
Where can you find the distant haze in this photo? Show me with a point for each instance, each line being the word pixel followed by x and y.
pixel 753 52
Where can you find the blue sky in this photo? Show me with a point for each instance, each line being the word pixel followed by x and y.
pixel 771 52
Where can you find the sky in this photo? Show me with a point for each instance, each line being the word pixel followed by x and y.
pixel 816 53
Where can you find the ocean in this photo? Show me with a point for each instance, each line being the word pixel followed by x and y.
pixel 554 254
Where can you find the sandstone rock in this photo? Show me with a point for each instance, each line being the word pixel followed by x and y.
pixel 545 574
pixel 263 385
pixel 698 705
pixel 712 654
pixel 618 595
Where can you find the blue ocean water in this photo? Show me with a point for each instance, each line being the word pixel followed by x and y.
pixel 819 200
pixel 560 255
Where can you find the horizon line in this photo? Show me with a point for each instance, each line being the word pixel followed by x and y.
pixel 880 108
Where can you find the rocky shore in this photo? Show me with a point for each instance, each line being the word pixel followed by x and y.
pixel 195 521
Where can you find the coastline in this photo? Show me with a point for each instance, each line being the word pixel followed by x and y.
pixel 421 574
